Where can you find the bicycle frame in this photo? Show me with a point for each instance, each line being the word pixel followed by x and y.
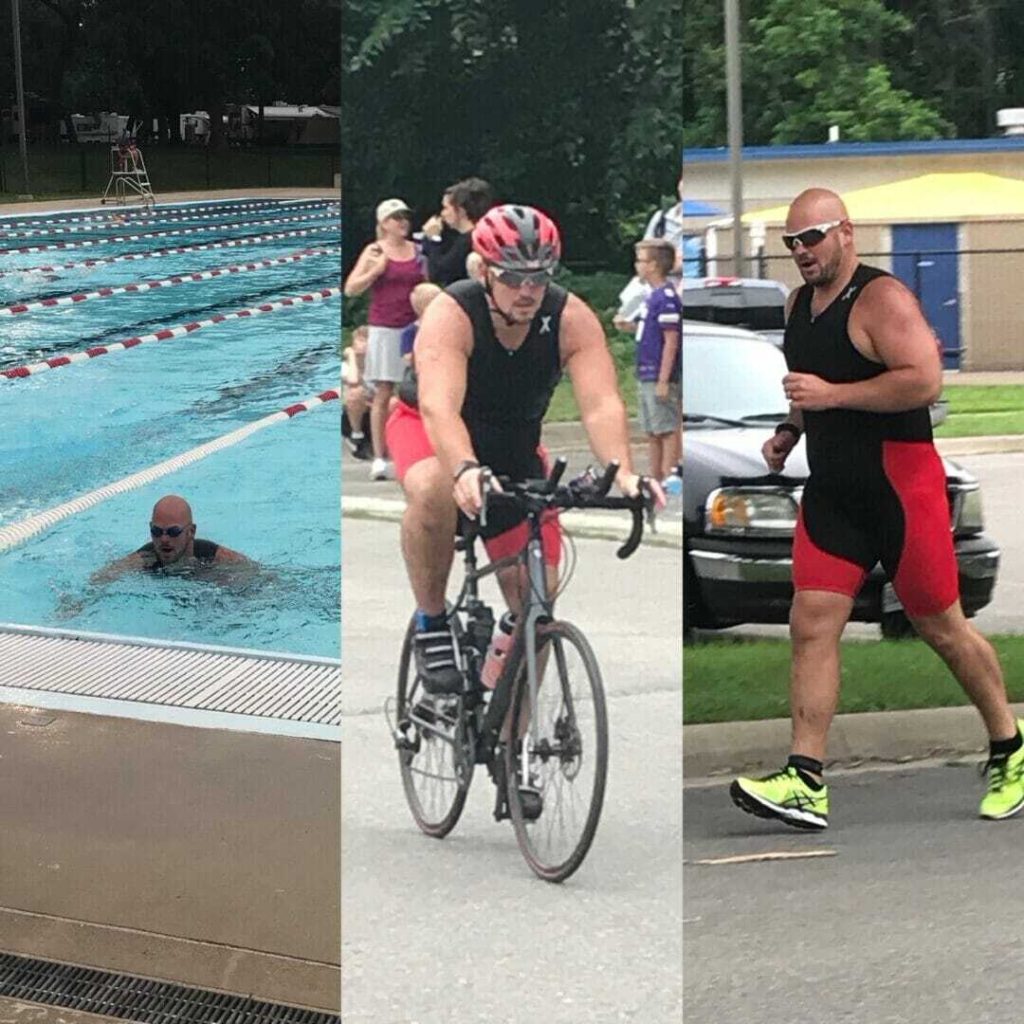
pixel 537 607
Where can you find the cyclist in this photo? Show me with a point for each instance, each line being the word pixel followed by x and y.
pixel 488 357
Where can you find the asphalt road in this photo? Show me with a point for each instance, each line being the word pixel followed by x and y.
pixel 915 920
pixel 460 930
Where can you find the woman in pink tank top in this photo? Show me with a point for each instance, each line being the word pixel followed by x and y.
pixel 390 268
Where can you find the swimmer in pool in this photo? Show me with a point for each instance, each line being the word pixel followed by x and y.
pixel 174 544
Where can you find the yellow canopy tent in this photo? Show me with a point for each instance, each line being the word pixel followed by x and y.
pixel 931 197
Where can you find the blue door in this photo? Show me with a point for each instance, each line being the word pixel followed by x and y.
pixel 926 261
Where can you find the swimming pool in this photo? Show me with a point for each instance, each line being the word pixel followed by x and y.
pixel 221 327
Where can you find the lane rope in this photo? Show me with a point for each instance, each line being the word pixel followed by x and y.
pixel 143 215
pixel 167 282
pixel 84 243
pixel 18 533
pixel 149 222
pixel 227 243
pixel 166 333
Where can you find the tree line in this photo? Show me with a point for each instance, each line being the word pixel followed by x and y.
pixel 573 105
pixel 157 59
pixel 879 69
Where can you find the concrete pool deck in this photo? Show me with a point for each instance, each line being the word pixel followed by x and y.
pixel 199 856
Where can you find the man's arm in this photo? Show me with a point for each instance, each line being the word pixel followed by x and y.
pixel 586 357
pixel 886 325
pixel 114 570
pixel 446 257
pixel 227 555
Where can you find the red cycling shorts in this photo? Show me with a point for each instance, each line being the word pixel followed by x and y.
pixel 903 522
pixel 407 444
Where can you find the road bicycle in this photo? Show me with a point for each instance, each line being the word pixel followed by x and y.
pixel 550 767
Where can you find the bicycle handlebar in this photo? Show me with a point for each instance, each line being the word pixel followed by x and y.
pixel 586 491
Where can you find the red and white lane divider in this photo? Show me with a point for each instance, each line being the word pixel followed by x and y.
pixel 161 210
pixel 168 219
pixel 166 333
pixel 228 243
pixel 167 282
pixel 17 533
pixel 86 242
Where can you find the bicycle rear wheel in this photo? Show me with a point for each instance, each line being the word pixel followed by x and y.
pixel 555 811
pixel 434 753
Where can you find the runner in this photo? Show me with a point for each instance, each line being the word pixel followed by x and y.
pixel 864 367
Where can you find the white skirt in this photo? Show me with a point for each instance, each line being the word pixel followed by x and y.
pixel 384 355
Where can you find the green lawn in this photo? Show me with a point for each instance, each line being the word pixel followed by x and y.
pixel 741 680
pixel 980 410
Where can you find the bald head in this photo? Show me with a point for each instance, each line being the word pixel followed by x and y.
pixel 815 206
pixel 172 509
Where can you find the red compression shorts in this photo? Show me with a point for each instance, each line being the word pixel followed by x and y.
pixel 407 443
pixel 903 523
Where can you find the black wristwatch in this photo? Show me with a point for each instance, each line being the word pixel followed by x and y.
pixel 789 428
pixel 464 467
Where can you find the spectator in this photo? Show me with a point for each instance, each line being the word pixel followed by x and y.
pixel 422 295
pixel 390 268
pixel 446 236
pixel 659 357
pixel 476 269
pixel 358 395
pixel 664 224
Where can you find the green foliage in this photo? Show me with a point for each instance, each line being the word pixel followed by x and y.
pixel 809 64
pixel 165 57
pixel 569 104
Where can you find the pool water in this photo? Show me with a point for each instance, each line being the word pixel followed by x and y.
pixel 67 431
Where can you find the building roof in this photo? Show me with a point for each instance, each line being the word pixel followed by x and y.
pixel 699 208
pixel 930 197
pixel 830 150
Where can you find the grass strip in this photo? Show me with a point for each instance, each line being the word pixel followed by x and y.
pixel 735 680
pixel 979 410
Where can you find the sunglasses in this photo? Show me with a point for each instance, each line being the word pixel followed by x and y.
pixel 517 278
pixel 171 531
pixel 809 237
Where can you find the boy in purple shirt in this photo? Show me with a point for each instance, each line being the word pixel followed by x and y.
pixel 659 357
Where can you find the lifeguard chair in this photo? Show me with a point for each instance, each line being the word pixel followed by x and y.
pixel 128 174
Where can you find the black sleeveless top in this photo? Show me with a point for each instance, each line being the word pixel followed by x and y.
pixel 203 550
pixel 844 446
pixel 508 392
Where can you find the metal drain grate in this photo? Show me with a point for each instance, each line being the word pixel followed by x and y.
pixel 287 687
pixel 139 999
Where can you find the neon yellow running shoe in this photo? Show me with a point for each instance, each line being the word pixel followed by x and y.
pixel 1005 796
pixel 783 795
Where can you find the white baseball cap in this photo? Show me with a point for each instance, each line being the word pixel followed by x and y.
pixel 389 207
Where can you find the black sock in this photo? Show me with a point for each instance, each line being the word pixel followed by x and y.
pixel 805 766
pixel 1004 748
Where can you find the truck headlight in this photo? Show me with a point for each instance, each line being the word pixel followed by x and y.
pixel 751 511
pixel 968 515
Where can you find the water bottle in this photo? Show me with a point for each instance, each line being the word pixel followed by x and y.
pixel 673 486
pixel 500 644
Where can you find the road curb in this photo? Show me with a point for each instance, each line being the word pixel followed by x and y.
pixel 896 736
pixel 954 447
pixel 580 524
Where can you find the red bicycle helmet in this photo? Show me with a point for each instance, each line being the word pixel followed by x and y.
pixel 517 238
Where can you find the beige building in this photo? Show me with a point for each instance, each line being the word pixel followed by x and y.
pixel 946 218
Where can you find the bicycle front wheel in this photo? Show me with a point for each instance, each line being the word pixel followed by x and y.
pixel 555 804
pixel 434 752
